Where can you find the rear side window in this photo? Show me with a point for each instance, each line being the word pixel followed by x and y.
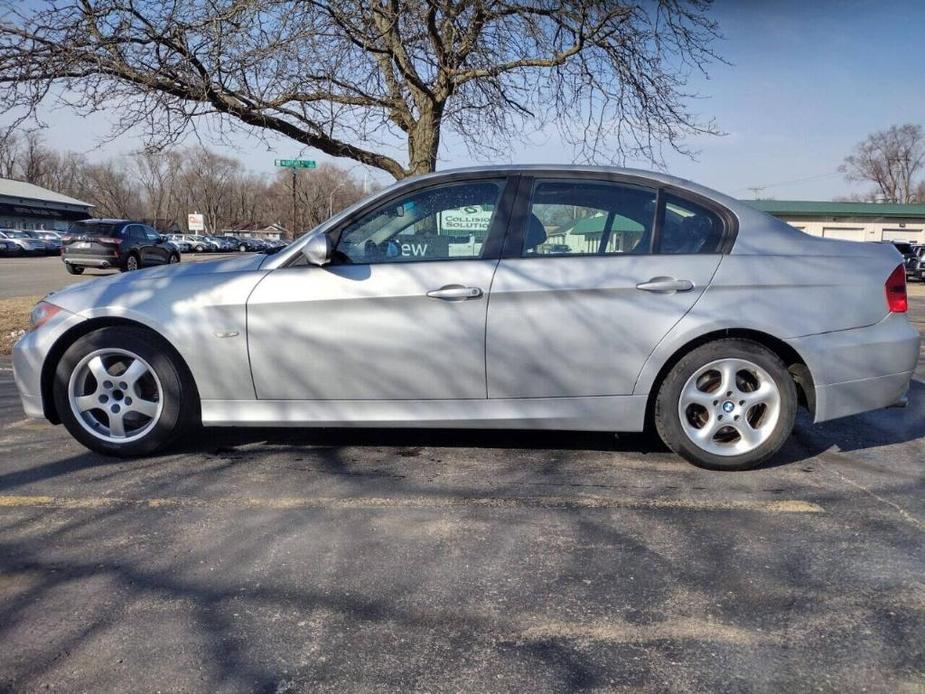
pixel 689 228
pixel 582 217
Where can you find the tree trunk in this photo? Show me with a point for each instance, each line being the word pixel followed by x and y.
pixel 424 142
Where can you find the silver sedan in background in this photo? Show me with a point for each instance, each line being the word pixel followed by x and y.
pixel 520 297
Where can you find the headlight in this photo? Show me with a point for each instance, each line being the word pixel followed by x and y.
pixel 42 312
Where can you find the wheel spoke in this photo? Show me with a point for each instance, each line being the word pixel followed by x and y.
pixel 727 372
pixel 87 402
pixel 98 369
pixel 707 431
pixel 765 394
pixel 692 395
pixel 146 407
pixel 116 425
pixel 136 370
pixel 750 437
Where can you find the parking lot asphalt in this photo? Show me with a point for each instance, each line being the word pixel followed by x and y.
pixel 285 561
pixel 31 276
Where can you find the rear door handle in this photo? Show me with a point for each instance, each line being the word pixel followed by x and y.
pixel 455 292
pixel 665 285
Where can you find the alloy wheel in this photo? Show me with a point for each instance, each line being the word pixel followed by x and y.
pixel 115 395
pixel 729 407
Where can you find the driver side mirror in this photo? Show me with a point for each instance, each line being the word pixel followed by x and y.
pixel 318 249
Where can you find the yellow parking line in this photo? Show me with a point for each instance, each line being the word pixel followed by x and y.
pixel 545 502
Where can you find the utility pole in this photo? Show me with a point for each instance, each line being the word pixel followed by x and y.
pixel 292 165
pixel 756 189
pixel 292 228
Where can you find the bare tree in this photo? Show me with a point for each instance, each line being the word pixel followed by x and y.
pixel 891 159
pixel 365 79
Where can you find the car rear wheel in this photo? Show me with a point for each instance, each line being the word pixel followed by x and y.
pixel 242 248
pixel 131 263
pixel 120 391
pixel 73 269
pixel 174 258
pixel 727 405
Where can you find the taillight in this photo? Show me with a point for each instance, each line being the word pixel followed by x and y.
pixel 109 239
pixel 895 287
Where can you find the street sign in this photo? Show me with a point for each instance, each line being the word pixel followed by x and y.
pixel 195 222
pixel 295 163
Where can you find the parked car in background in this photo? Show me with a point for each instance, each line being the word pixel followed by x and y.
pixel 25 244
pixel 51 239
pixel 915 269
pixel 115 243
pixel 221 243
pixel 180 242
pixel 676 307
pixel 910 257
pixel 245 244
pixel 194 243
pixel 8 248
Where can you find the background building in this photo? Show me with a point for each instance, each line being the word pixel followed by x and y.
pixel 27 206
pixel 852 221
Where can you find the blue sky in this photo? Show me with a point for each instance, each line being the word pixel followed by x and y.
pixel 807 81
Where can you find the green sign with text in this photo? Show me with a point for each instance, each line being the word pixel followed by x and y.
pixel 295 163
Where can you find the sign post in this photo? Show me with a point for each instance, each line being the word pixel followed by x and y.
pixel 293 165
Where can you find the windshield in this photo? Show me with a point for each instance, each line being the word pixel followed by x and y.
pixel 89 229
pixel 903 248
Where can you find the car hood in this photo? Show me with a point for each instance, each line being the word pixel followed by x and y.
pixel 168 282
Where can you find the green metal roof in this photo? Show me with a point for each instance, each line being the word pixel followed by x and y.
pixel 812 208
pixel 595 225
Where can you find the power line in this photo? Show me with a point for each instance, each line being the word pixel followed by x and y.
pixel 806 179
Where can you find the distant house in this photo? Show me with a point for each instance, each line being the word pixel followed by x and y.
pixel 851 221
pixel 27 206
pixel 254 230
pixel 163 225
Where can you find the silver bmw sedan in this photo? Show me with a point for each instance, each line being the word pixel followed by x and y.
pixel 540 297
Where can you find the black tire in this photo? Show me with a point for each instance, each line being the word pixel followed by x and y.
pixel 180 409
pixel 173 259
pixel 242 248
pixel 668 418
pixel 73 269
pixel 127 265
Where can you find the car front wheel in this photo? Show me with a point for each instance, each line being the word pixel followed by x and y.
pixel 73 269
pixel 120 391
pixel 727 405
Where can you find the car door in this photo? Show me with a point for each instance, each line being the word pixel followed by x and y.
pixel 158 250
pixel 135 243
pixel 594 274
pixel 399 313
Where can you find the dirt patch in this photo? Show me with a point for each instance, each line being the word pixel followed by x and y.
pixel 14 319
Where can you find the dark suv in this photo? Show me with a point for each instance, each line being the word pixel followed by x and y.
pixel 115 243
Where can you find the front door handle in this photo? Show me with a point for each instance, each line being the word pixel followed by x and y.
pixel 665 285
pixel 455 292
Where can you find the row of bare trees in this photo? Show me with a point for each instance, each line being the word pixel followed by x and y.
pixel 167 185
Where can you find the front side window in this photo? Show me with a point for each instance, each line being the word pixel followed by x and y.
pixel 581 217
pixel 446 222
pixel 689 228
